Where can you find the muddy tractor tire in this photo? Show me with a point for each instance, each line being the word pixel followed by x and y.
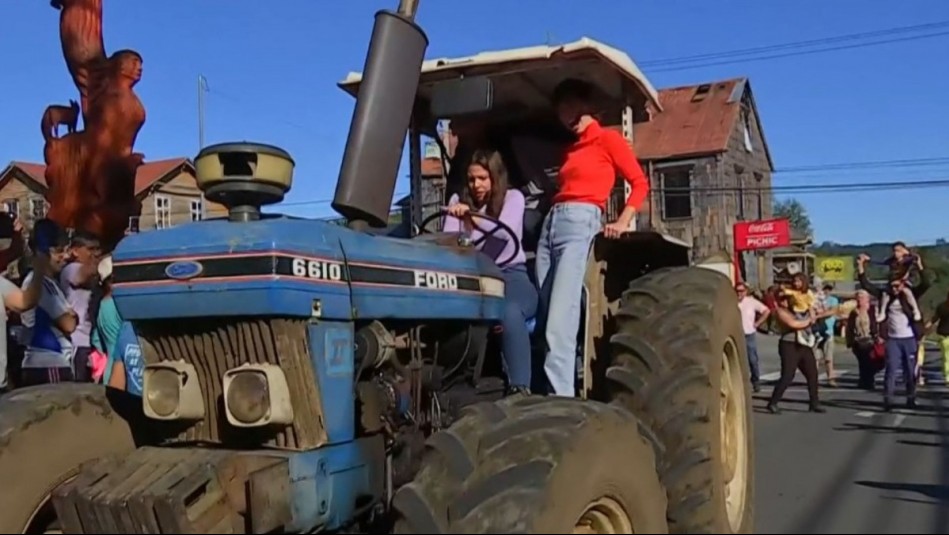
pixel 680 364
pixel 536 465
pixel 46 433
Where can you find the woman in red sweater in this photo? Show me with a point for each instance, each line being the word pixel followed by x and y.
pixel 587 176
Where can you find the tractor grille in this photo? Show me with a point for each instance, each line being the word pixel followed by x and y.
pixel 214 346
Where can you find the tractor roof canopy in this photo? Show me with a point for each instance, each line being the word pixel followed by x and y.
pixel 524 78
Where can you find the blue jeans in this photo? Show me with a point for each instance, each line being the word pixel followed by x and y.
pixel 521 297
pixel 900 352
pixel 562 253
pixel 751 344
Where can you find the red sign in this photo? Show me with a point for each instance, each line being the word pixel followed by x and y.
pixel 769 234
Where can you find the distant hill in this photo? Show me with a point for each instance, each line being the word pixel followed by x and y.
pixel 935 259
pixel 879 250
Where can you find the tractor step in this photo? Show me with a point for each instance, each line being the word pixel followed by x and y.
pixel 175 490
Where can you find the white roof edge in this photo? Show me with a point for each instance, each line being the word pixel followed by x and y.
pixel 617 57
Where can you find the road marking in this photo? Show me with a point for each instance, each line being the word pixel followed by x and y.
pixel 771 377
pixel 774 376
pixel 898 420
pixel 865 414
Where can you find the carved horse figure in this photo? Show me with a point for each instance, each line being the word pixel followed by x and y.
pixel 57 115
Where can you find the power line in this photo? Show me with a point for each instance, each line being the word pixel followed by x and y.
pixel 912 162
pixel 698 65
pixel 794 44
pixel 815 188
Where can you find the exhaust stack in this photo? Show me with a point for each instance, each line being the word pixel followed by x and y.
pixel 381 119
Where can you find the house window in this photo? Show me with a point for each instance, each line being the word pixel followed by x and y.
pixel 741 200
pixel 197 210
pixel 701 92
pixel 12 206
pixel 38 209
pixel 162 212
pixel 677 193
pixel 748 145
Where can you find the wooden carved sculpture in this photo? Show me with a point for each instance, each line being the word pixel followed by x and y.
pixel 60 115
pixel 91 172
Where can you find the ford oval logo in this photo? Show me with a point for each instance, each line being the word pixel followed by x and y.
pixel 184 270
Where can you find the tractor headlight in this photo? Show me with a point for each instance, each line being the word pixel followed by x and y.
pixel 171 392
pixel 257 395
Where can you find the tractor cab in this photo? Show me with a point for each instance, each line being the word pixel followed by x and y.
pixel 502 100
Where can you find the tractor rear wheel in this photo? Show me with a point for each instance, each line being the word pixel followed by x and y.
pixel 46 433
pixel 679 363
pixel 536 465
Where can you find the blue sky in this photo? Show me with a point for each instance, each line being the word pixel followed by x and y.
pixel 272 69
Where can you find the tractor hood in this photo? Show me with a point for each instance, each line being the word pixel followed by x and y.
pixel 296 267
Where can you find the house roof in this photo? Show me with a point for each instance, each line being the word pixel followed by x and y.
pixel 692 125
pixel 148 174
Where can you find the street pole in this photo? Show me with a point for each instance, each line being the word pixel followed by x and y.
pixel 202 89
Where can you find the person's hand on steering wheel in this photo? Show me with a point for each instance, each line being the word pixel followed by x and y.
pixel 458 210
pixel 496 223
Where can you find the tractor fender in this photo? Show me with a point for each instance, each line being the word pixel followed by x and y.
pixel 611 265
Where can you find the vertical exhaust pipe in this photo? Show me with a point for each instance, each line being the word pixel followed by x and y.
pixel 381 119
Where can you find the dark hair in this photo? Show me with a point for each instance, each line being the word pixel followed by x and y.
pixel 782 298
pixel 801 277
pixel 84 239
pixel 828 286
pixel 900 244
pixel 492 161
pixel 58 237
pixel 573 89
pixel 99 292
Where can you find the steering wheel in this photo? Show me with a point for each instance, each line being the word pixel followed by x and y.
pixel 498 225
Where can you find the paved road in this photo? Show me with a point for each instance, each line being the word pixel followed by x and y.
pixel 854 469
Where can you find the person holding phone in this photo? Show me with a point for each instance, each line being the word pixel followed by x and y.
pixel 49 324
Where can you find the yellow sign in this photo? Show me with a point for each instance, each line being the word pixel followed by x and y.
pixel 835 268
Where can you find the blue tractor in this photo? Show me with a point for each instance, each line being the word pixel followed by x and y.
pixel 303 376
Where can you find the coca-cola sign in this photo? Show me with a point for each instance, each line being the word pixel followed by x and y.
pixel 769 234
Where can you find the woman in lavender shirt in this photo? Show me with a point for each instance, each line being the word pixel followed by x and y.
pixel 487 193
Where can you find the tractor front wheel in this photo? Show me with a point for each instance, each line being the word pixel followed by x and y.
pixel 536 465
pixel 46 433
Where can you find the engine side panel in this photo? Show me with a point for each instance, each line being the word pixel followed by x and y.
pixel 301 268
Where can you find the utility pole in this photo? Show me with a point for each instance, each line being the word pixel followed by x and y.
pixel 202 90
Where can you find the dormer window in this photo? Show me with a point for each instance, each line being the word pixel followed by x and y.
pixel 701 92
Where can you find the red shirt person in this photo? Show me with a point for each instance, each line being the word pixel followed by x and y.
pixel 587 176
